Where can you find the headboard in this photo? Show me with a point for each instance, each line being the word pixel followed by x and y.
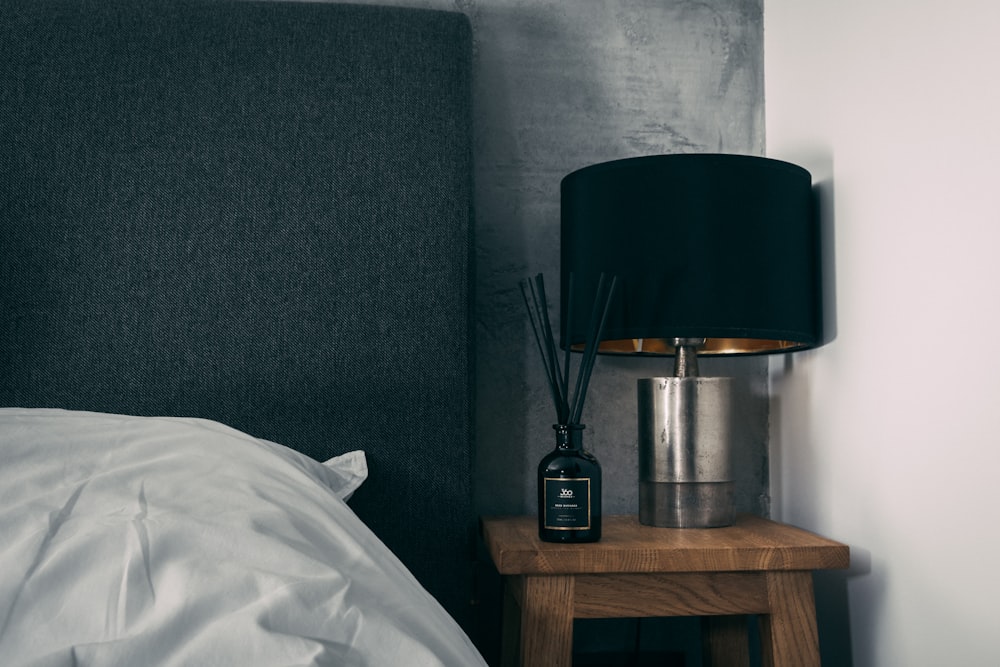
pixel 257 213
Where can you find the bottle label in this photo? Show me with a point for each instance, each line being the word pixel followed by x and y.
pixel 567 503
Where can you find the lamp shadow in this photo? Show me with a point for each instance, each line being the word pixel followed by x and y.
pixel 833 608
pixel 823 211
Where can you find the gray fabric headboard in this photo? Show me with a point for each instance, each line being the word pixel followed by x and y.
pixel 258 213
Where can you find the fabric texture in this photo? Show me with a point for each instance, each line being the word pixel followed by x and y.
pixel 165 541
pixel 257 213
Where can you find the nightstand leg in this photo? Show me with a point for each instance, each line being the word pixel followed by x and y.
pixel 788 634
pixel 547 621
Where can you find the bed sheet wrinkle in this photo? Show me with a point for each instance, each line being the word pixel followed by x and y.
pixel 329 651
pixel 56 520
pixel 136 592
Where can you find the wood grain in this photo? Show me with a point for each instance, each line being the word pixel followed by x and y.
pixel 789 637
pixel 683 594
pixel 547 621
pixel 627 546
pixel 755 566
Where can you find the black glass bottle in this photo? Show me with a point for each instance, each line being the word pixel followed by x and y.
pixel 569 490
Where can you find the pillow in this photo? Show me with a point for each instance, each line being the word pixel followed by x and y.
pixel 161 540
pixel 349 471
pixel 343 473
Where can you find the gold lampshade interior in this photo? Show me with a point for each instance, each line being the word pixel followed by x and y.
pixel 662 346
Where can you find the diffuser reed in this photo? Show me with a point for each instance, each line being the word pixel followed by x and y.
pixel 569 478
pixel 569 407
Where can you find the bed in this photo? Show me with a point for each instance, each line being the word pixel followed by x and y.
pixel 235 334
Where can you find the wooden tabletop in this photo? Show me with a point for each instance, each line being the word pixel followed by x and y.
pixel 626 546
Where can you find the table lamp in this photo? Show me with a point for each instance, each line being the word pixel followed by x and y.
pixel 715 254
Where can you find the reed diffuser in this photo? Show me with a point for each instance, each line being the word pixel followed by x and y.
pixel 569 477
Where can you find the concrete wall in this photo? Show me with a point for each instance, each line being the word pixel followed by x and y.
pixel 886 438
pixel 561 84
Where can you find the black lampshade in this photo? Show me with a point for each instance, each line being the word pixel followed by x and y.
pixel 722 247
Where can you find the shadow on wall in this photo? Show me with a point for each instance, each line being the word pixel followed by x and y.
pixel 792 446
pixel 833 604
pixel 824 196
pixel 791 393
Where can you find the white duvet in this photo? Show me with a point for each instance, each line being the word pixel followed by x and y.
pixel 163 541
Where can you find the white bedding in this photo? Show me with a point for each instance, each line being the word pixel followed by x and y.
pixel 164 541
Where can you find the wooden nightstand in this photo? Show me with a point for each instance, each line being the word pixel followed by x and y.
pixel 755 566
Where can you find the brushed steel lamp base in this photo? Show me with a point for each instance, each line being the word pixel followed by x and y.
pixel 685 427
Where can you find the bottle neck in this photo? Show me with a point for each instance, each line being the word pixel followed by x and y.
pixel 569 436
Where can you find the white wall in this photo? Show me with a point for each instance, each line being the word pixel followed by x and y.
pixel 887 437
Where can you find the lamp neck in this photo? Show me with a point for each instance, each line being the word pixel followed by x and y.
pixel 686 359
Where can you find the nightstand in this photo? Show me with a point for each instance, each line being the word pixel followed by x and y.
pixel 755 566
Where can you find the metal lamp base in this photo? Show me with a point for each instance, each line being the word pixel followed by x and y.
pixel 685 436
pixel 686 504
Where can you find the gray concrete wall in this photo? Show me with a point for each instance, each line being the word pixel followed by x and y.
pixel 561 84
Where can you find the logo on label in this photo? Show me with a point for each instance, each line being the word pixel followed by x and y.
pixel 565 493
